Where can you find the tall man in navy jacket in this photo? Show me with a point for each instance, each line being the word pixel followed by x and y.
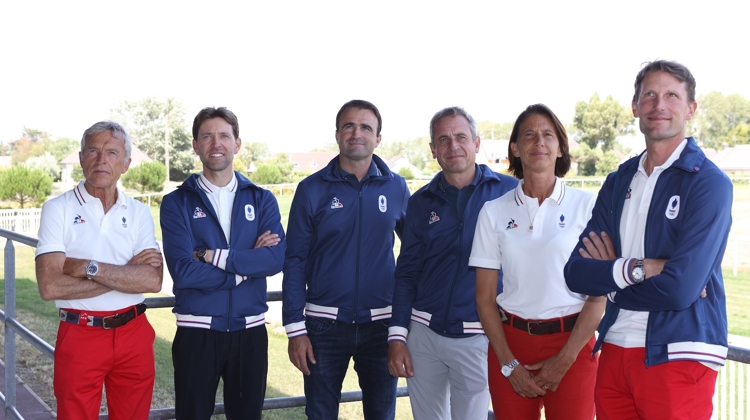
pixel 338 274
pixel 222 238
pixel 445 354
pixel 654 247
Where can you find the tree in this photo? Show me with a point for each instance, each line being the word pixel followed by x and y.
pixel 152 123
pixel 489 130
pixel 24 185
pixel 601 122
pixel 45 163
pixel 285 166
pixel 253 151
pixel 146 177
pixel 722 120
pixel 266 174
pixel 406 172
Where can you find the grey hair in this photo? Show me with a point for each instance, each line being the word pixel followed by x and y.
pixel 117 131
pixel 452 112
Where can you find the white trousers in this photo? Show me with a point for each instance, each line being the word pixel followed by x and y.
pixel 450 375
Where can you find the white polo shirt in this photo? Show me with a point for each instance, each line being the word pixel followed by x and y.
pixel 532 260
pixel 75 224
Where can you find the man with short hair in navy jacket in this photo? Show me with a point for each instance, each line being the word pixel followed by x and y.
pixel 338 274
pixel 444 357
pixel 222 238
pixel 654 247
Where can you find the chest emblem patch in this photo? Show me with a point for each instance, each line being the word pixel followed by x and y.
pixel 434 217
pixel 78 220
pixel 336 204
pixel 673 207
pixel 198 213
pixel 561 223
pixel 249 212
pixel 511 225
pixel 124 222
pixel 382 204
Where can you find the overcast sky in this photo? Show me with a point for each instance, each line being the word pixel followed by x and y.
pixel 285 68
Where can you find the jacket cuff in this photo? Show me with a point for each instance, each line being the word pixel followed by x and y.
pixel 239 279
pixel 397 333
pixel 621 274
pixel 295 329
pixel 220 258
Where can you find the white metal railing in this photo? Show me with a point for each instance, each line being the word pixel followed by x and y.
pixel 20 220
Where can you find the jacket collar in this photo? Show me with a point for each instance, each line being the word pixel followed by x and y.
pixel 484 174
pixel 378 169
pixel 191 183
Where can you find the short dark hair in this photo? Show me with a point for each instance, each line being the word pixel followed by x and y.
pixel 677 70
pixel 562 165
pixel 210 112
pixel 452 112
pixel 360 104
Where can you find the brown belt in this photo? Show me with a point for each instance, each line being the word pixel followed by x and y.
pixel 106 322
pixel 547 326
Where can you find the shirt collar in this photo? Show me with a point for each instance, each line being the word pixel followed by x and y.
pixel 210 188
pixel 84 197
pixel 557 193
pixel 672 158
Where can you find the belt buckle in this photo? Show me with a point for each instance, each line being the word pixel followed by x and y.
pixel 105 318
pixel 528 327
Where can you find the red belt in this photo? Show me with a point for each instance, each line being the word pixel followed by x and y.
pixel 540 327
pixel 117 319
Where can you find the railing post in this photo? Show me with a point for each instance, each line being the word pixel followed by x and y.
pixel 10 334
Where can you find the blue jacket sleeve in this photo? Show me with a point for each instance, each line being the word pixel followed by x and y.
pixel 299 242
pixel 408 270
pixel 588 276
pixel 404 204
pixel 697 257
pixel 186 272
pixel 265 261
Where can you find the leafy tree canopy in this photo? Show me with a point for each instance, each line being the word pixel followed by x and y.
pixel 148 121
pixel 266 174
pixel 489 130
pixel 598 121
pixel 722 120
pixel 46 163
pixel 146 177
pixel 24 185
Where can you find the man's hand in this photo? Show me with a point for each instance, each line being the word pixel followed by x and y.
pixel 267 239
pixel 300 351
pixel 148 256
pixel 598 248
pixel 399 360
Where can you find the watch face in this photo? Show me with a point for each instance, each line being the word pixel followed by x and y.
pixel 638 273
pixel 91 269
pixel 506 371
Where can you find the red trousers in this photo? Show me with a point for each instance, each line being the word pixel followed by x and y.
pixel 122 359
pixel 574 398
pixel 626 389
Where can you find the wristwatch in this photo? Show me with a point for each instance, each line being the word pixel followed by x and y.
pixel 638 274
pixel 201 254
pixel 508 368
pixel 92 268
